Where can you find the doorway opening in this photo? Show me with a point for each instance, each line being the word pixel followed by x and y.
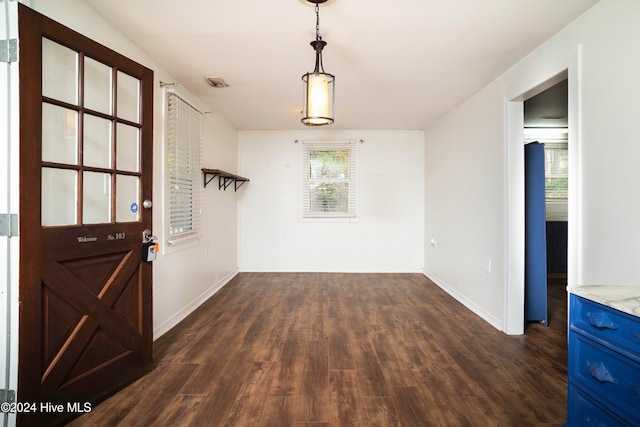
pixel 546 199
pixel 526 88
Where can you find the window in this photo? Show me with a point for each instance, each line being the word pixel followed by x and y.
pixel 184 135
pixel 556 160
pixel 556 171
pixel 329 179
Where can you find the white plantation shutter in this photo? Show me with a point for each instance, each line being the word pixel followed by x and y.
pixel 329 187
pixel 184 135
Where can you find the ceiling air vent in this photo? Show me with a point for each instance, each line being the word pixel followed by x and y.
pixel 216 82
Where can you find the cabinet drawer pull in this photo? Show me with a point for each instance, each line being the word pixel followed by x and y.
pixel 594 423
pixel 601 320
pixel 600 372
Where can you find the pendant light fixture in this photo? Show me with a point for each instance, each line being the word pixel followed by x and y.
pixel 318 85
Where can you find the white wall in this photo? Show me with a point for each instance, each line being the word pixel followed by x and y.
pixel 474 151
pixel 185 278
pixel 386 236
pixel 610 147
pixel 464 205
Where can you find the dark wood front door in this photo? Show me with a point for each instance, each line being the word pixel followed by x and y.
pixel 86 135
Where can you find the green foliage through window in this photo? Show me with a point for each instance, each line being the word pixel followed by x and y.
pixel 329 188
pixel 556 188
pixel 556 172
pixel 328 176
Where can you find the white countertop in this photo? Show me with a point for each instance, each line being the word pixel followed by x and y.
pixel 623 298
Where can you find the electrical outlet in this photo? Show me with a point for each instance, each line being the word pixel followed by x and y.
pixel 487 265
pixel 434 242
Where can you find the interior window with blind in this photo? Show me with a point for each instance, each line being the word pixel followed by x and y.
pixel 556 160
pixel 183 152
pixel 329 182
pixel 556 164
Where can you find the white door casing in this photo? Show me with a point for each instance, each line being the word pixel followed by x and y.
pixel 9 190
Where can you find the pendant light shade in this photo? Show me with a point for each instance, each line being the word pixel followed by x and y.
pixel 318 86
pixel 318 99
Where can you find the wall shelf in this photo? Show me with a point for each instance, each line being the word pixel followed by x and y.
pixel 224 179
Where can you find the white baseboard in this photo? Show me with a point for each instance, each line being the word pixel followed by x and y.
pixel 172 321
pixel 492 320
pixel 320 270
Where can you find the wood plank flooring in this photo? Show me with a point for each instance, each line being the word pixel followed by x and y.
pixel 321 349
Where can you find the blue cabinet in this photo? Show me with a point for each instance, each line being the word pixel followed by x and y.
pixel 604 365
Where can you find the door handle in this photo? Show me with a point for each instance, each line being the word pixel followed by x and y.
pixel 147 236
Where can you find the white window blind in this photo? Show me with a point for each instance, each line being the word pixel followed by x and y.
pixel 556 160
pixel 329 179
pixel 184 136
pixel 556 165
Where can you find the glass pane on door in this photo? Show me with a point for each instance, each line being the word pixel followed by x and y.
pixel 127 148
pixel 128 93
pixel 97 86
pixel 59 195
pixel 127 198
pixel 59 72
pixel 96 198
pixel 97 142
pixel 59 134
pixel 106 155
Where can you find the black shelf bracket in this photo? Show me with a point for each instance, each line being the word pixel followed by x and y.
pixel 224 179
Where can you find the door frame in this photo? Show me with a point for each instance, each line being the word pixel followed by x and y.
pixel 514 310
pixel 9 180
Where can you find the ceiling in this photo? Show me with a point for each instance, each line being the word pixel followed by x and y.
pixel 548 109
pixel 398 64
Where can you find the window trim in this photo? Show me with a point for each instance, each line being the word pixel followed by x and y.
pixel 305 214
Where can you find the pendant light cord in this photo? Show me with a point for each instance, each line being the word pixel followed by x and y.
pixel 319 44
pixel 318 21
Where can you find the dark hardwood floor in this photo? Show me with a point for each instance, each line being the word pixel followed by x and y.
pixel 346 350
